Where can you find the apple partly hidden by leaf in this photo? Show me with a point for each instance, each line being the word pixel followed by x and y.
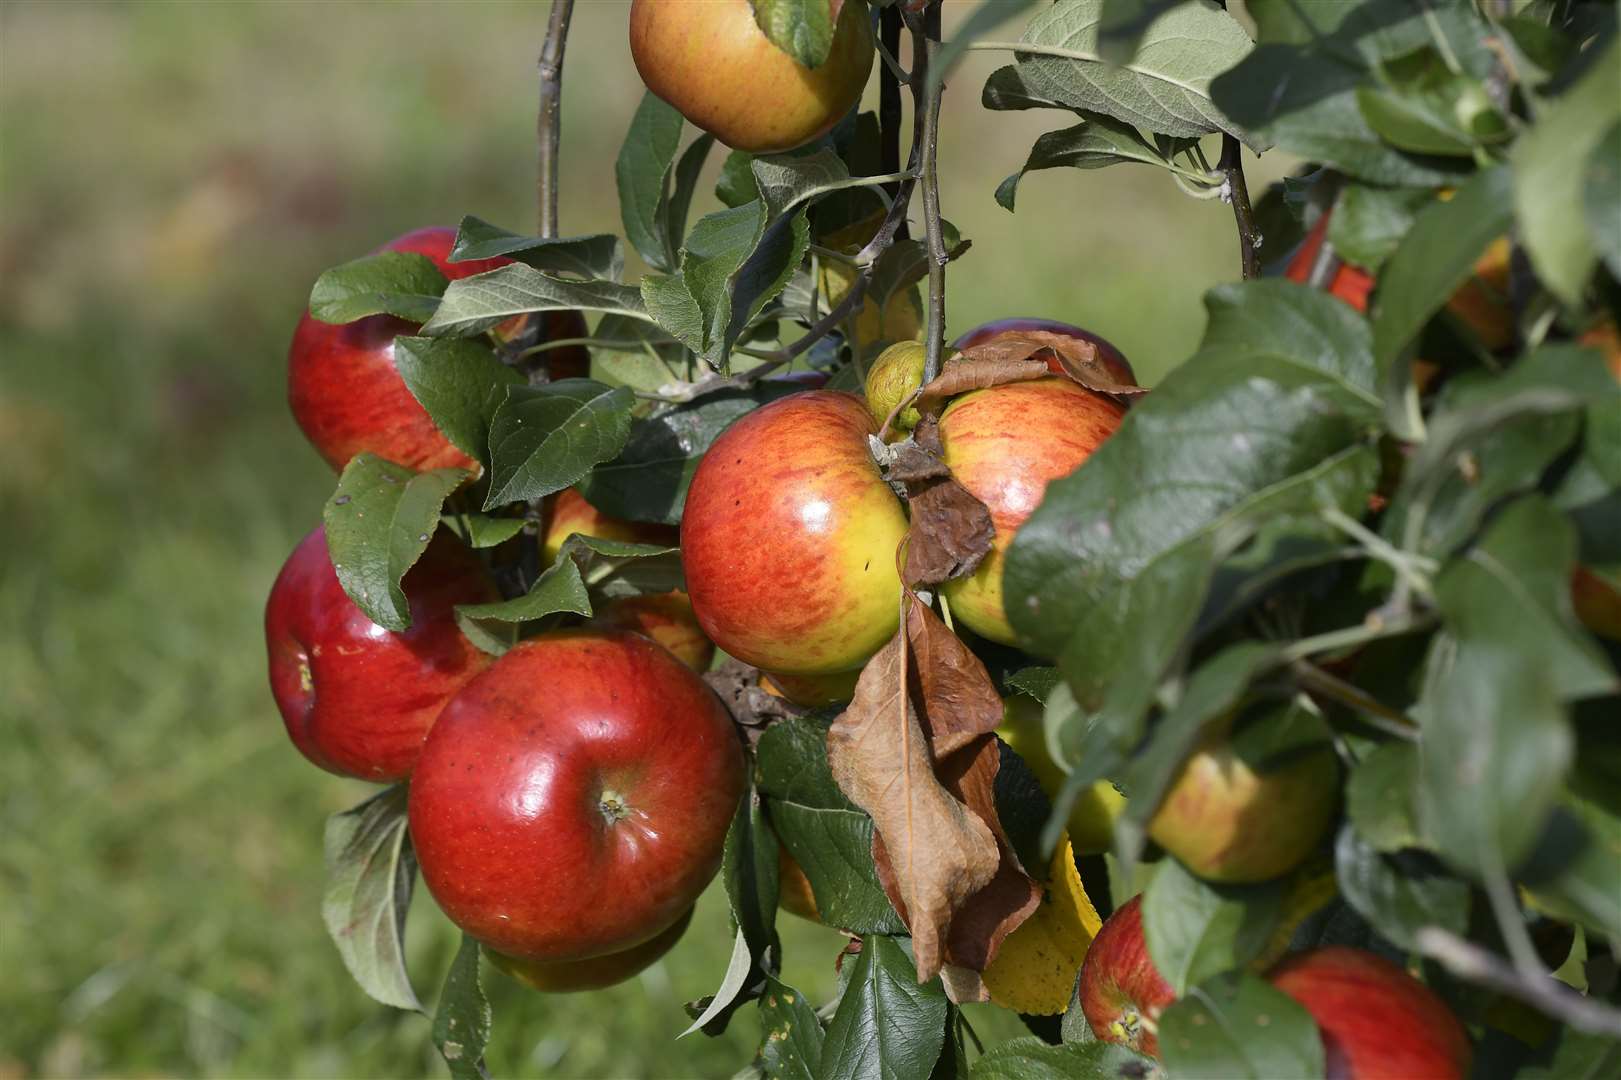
pixel 811 691
pixel 1004 445
pixel 714 64
pixel 347 395
pixel 1091 822
pixel 572 801
pixel 357 699
pixel 1122 993
pixel 789 538
pixel 1376 1020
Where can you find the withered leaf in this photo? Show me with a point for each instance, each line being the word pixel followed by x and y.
pixel 960 702
pixel 940 854
pixel 951 531
pixel 972 371
pixel 1059 354
pixel 751 707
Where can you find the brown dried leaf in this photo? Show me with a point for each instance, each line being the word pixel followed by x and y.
pixel 960 702
pixel 972 370
pixel 1060 354
pixel 939 854
pixel 751 708
pixel 951 531
pixel 963 984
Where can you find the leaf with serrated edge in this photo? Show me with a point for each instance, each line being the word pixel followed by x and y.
pixel 559 588
pixel 400 283
pixel 791 1035
pixel 642 173
pixel 1195 929
pixel 942 854
pixel 475 304
pixel 801 28
pixel 1099 142
pixel 1031 1058
pixel 887 1026
pixel 599 255
pixel 461 1024
pixel 370 873
pixel 545 438
pixel 460 382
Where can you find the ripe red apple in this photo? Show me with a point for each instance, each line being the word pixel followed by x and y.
pixel 358 700
pixel 1111 357
pixel 594 973
pixel 347 395
pixel 712 62
pixel 568 513
pixel 789 538
pixel 1351 284
pixel 1234 819
pixel 572 801
pixel 1004 445
pixel 1122 992
pixel 1377 1021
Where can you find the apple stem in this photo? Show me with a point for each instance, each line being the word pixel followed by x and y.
pixel 926 143
pixel 1236 191
pixel 549 126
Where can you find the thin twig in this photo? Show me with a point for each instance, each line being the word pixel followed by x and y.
pixel 1374 712
pixel 1371 630
pixel 1237 192
pixel 1470 962
pixel 925 43
pixel 548 127
pixel 889 101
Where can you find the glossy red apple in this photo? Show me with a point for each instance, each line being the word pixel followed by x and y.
pixel 348 397
pixel 1351 284
pixel 594 973
pixel 572 801
pixel 1377 1022
pixel 712 62
pixel 1004 445
pixel 357 699
pixel 789 538
pixel 1122 992
pixel 568 513
pixel 1110 356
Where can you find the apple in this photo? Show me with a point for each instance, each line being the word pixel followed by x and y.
pixel 794 894
pixel 348 397
pixel 811 691
pixel 1597 603
pixel 1004 445
pixel 893 376
pixel 1122 993
pixel 1351 284
pixel 594 973
pixel 1235 816
pixel 1091 821
pixel 712 62
pixel 572 801
pixel 568 513
pixel 1111 357
pixel 358 700
pixel 1376 1020
pixel 789 538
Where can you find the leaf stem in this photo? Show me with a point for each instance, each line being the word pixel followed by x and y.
pixel 889 99
pixel 926 106
pixel 1371 630
pixel 1236 192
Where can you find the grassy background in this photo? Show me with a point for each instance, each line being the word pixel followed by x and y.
pixel 173 177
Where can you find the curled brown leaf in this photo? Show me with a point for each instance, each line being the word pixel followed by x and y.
pixel 1059 354
pixel 951 530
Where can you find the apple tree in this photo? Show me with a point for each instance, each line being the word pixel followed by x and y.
pixel 1265 722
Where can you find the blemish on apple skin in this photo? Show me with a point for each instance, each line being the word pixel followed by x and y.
pixel 341 500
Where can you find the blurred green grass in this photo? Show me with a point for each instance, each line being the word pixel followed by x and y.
pixel 172 177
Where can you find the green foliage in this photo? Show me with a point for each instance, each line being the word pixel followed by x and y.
pixel 370 874
pixel 1237 1025
pixel 399 283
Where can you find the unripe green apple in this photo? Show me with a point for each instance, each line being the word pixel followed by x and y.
pixel 1091 821
pixel 1004 445
pixel 893 376
pixel 714 64
pixel 1250 807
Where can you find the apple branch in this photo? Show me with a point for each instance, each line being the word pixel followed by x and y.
pixel 926 123
pixel 1236 191
pixel 1470 962
pixel 549 125
pixel 889 102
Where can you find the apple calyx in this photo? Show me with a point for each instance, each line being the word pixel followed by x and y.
pixel 613 806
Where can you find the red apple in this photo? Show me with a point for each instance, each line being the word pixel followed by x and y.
pixel 1111 357
pixel 572 801
pixel 1004 445
pixel 1122 992
pixel 1351 284
pixel 712 62
pixel 568 513
pixel 1377 1021
pixel 347 395
pixel 358 700
pixel 789 538
pixel 567 976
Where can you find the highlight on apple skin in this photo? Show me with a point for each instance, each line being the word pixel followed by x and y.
pixel 789 538
pixel 1004 445
pixel 714 64
pixel 357 699
pixel 1121 992
pixel 572 801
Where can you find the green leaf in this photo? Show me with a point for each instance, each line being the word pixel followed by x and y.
pixel 642 172
pixel 1568 1054
pixel 545 438
pixel 1030 1058
pixel 1425 108
pixel 1399 893
pixel 400 283
pixel 378 523
pixel 826 834
pixel 801 28
pixel 684 184
pixel 1123 25
pixel 559 588
pixel 1238 1026
pixel 1195 929
pixel 1097 142
pixel 1436 257
pixel 473 305
pixel 887 1027
pixel 1551 169
pixel 736 184
pixel 749 869
pixel 461 384
pixel 483 530
pixel 461 1024
pixel 981 21
pixel 370 873
pixel 1379 797
pixel 1166 86
pixel 1369 223
pixel 648 480
pixel 1578 862
pixel 1601 196
pixel 599 255
pixel 1038 682
pixel 791 1036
